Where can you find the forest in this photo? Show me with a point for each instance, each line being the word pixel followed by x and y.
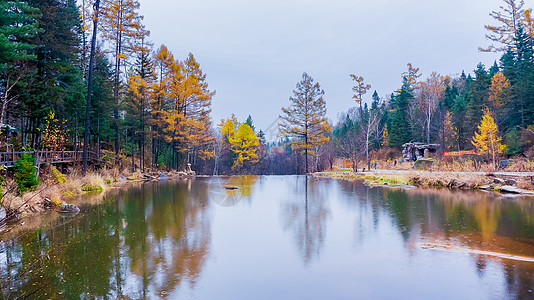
pixel 84 74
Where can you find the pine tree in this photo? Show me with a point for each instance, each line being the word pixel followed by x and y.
pixel 478 99
pixel 399 128
pixel 17 26
pixel 304 121
pixel 57 83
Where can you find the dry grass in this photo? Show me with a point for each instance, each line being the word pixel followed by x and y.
pixel 524 183
pixel 451 180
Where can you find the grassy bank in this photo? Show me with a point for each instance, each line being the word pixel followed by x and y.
pixel 56 189
pixel 451 180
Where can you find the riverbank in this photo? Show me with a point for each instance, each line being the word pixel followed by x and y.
pixel 57 192
pixel 506 182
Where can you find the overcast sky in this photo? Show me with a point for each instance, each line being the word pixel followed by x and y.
pixel 254 52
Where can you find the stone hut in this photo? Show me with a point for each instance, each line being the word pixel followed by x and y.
pixel 414 150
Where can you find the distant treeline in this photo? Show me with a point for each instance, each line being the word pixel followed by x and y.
pixel 150 110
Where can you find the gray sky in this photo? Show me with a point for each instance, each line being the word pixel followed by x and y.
pixel 254 52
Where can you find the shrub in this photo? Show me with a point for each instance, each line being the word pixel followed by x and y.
pixel 25 177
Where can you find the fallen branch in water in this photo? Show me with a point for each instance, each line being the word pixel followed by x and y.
pixel 435 246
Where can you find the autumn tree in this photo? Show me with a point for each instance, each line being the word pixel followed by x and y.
pixel 359 89
pixel 195 102
pixel 304 121
pixel 487 141
pixel 499 94
pixel 245 144
pixel 449 133
pixel 122 28
pixel 510 17
pixel 411 76
pixel 163 61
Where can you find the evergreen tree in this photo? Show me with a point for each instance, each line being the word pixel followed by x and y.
pixel 57 83
pixel 398 126
pixel 478 98
pixel 17 27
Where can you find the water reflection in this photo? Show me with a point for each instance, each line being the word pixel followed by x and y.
pixel 140 247
pixel 228 191
pixel 335 239
pixel 305 215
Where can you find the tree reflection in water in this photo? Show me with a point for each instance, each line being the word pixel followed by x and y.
pixel 472 220
pixel 305 215
pixel 140 247
pixel 155 241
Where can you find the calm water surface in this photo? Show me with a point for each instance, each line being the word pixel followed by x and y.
pixel 277 238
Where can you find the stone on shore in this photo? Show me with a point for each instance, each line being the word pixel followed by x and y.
pixel 514 190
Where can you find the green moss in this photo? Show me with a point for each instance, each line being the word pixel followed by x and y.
pixel 91 188
pixel 59 176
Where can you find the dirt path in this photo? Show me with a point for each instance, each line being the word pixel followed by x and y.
pixel 497 174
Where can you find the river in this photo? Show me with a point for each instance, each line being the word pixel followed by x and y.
pixel 278 237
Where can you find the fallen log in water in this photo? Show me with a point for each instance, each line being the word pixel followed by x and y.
pixel 435 246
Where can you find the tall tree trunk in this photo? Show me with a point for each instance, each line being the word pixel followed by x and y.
pixel 89 90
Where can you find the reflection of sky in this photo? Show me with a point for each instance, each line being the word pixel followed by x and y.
pixel 349 241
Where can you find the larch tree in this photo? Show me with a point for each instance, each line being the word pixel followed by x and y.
pixel 510 17
pixel 163 60
pixel 487 141
pixel 304 121
pixel 499 94
pixel 244 143
pixel 359 89
pixel 122 28
pixel 195 101
pixel 411 76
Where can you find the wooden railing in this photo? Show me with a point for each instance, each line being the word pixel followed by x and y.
pixel 8 159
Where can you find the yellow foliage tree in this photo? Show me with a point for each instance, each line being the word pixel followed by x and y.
pixel 385 137
pixel 450 132
pixel 245 144
pixel 487 141
pixel 55 133
pixel 499 90
pixel 241 139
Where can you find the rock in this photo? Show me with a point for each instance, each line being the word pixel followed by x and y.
pixel 505 163
pixel 515 190
pixel 68 209
pixel 498 181
pixel 122 178
pixel 485 187
pixel 510 182
pixel 162 177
